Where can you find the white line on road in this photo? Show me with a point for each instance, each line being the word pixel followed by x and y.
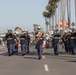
pixel 46 67
pixel 43 56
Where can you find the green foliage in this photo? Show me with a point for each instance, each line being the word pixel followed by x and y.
pixel 46 14
pixel 73 24
pixel 51 7
pixel 56 25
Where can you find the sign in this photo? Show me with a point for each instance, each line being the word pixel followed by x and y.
pixel 63 23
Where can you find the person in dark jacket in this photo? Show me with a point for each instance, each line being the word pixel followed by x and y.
pixel 23 42
pixel 15 44
pixel 28 42
pixel 64 39
pixel 72 43
pixel 9 38
pixel 69 42
pixel 39 42
pixel 55 41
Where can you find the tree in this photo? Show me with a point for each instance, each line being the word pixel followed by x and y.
pixel 51 9
pixel 56 26
pixel 69 12
pixel 75 12
pixel 73 24
pixel 46 15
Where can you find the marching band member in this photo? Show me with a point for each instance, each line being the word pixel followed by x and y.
pixel 56 42
pixel 39 42
pixel 23 42
pixel 9 38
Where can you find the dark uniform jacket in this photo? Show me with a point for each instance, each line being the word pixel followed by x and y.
pixel 72 38
pixel 40 41
pixel 10 38
pixel 23 39
pixel 56 38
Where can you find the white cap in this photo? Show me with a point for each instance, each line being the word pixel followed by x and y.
pixel 25 30
pixel 70 30
pixel 65 31
pixel 39 27
pixel 46 34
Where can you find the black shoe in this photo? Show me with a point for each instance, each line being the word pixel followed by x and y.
pixel 39 58
pixel 16 51
pixel 9 54
pixel 23 54
pixel 56 54
pixel 28 52
pixel 12 53
pixel 73 53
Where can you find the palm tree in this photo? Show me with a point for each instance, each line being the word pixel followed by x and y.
pixel 58 14
pixel 69 12
pixel 56 26
pixel 46 15
pixel 75 13
pixel 51 9
pixel 73 24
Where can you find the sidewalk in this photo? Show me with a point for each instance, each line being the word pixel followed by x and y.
pixel 3 48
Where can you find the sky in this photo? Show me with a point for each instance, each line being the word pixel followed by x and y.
pixel 22 13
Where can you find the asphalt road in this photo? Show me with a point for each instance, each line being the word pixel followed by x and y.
pixel 63 64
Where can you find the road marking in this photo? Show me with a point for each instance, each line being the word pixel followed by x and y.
pixel 43 56
pixel 46 67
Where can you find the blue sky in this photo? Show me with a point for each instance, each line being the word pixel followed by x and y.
pixel 22 13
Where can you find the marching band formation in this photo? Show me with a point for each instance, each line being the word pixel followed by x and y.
pixel 13 41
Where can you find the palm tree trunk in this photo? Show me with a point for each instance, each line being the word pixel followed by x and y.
pixel 69 12
pixel 58 15
pixel 46 24
pixel 75 13
pixel 53 23
pixel 61 10
pixel 56 18
pixel 50 24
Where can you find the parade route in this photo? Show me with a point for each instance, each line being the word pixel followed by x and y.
pixel 63 64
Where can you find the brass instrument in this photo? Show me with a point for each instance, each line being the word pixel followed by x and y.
pixel 38 36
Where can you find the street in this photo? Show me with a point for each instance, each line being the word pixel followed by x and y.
pixel 63 64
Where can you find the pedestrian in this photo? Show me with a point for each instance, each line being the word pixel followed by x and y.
pixel 23 42
pixel 9 38
pixel 55 41
pixel 15 43
pixel 39 42
pixel 72 43
pixel 28 42
pixel 64 39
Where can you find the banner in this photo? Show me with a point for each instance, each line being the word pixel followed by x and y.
pixel 63 23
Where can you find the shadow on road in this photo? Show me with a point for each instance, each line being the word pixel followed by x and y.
pixel 4 54
pixel 74 61
pixel 19 54
pixel 64 57
pixel 30 58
